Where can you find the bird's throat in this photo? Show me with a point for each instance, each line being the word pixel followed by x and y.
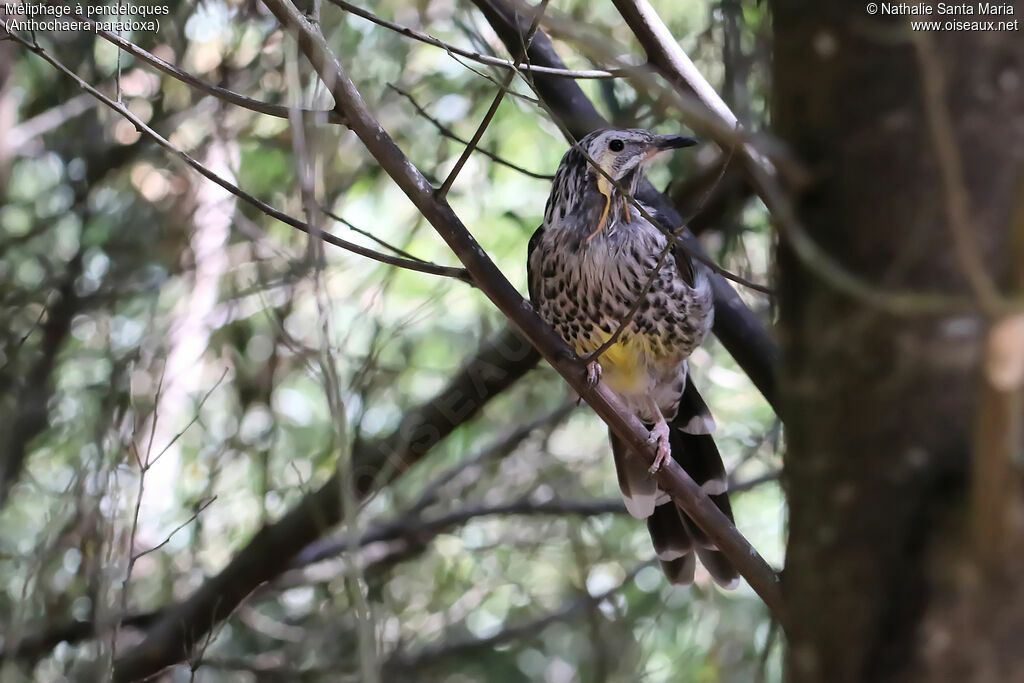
pixel 608 192
pixel 604 219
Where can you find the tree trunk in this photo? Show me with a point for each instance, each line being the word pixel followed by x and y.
pixel 886 578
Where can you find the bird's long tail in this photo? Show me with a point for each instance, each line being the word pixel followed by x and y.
pixel 678 541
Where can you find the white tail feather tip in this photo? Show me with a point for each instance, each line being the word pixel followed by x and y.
pixel 715 487
pixel 639 507
pixel 700 424
pixel 668 554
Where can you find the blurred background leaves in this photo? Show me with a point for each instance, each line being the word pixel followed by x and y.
pixel 168 357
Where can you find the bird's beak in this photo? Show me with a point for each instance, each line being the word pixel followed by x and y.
pixel 665 143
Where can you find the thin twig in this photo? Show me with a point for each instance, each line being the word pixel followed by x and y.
pixel 530 629
pixel 474 56
pixel 671 477
pixel 662 257
pixel 444 271
pixel 369 235
pixel 624 323
pixel 494 81
pixel 229 96
pixel 195 418
pixel 452 136
pixel 176 529
pixel 143 469
pixel 32 328
pixel 943 135
pixel 762 176
pixel 495 103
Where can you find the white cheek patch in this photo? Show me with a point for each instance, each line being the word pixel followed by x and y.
pixel 604 160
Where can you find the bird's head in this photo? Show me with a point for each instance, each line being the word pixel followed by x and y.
pixel 606 160
pixel 624 154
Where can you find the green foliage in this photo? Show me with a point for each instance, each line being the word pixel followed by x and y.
pixel 206 339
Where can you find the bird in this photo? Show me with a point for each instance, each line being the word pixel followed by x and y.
pixel 587 265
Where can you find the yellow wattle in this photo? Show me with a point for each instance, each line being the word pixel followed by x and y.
pixel 604 217
pixel 605 188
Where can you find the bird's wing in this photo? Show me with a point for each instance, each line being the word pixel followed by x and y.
pixel 531 276
pixel 684 263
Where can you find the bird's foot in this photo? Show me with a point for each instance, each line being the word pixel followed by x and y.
pixel 593 374
pixel 659 435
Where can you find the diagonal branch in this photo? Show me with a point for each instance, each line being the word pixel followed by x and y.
pixel 420 266
pixel 765 175
pixel 951 171
pixel 229 96
pixel 497 365
pixel 673 238
pixel 473 56
pixel 452 136
pixel 736 326
pixel 672 478
pixel 442 191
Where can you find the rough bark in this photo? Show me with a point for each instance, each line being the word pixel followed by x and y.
pixel 882 582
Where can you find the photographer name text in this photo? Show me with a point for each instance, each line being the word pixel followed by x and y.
pixel 945 9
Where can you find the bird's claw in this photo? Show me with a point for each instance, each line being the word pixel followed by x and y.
pixel 660 436
pixel 593 374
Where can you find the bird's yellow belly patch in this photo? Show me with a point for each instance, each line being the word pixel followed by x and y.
pixel 624 364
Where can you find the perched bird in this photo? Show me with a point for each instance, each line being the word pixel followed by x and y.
pixel 588 264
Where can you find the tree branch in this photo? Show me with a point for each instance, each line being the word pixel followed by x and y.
pixel 416 265
pixel 463 646
pixel 452 136
pixel 422 530
pixel 764 174
pixel 32 414
pixel 229 96
pixel 36 645
pixel 473 56
pixel 736 326
pixel 492 282
pixel 493 369
pixel 442 191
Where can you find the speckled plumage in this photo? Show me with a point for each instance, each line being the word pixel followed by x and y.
pixel 587 265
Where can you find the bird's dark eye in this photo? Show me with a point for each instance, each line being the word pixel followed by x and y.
pixel 616 145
